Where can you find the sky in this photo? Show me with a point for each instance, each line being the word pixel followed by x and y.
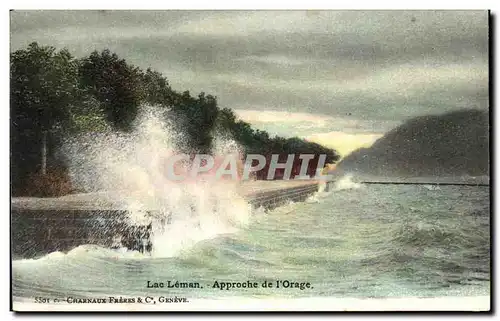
pixel 340 78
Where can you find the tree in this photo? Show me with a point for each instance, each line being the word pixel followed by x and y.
pixel 43 83
pixel 155 89
pixel 115 84
pixel 54 95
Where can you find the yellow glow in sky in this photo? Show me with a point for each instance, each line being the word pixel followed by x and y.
pixel 342 142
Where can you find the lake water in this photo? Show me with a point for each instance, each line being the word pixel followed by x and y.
pixel 357 241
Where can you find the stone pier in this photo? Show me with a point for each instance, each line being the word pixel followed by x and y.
pixel 43 225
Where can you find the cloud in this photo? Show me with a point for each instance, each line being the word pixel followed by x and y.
pixel 275 59
pixel 363 66
pixel 245 23
pixel 344 143
pixel 402 80
pixel 343 134
pixel 255 116
pixel 314 123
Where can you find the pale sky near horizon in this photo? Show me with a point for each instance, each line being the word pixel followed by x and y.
pixel 341 78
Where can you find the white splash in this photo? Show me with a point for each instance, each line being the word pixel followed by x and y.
pixel 346 182
pixel 132 166
pixel 432 187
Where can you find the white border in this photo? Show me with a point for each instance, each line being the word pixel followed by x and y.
pixel 481 303
pixel 186 4
pixel 257 4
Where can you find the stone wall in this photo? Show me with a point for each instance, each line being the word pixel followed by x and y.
pixel 41 226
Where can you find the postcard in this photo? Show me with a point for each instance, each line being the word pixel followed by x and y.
pixel 176 160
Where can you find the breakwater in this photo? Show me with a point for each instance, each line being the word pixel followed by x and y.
pixel 44 225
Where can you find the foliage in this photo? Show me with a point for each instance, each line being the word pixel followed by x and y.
pixel 115 84
pixel 53 92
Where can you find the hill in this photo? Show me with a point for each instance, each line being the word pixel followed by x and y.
pixel 452 144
